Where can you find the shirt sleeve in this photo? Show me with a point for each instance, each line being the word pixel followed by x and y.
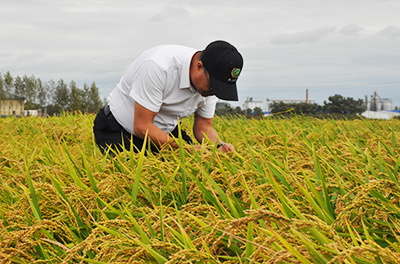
pixel 207 110
pixel 148 86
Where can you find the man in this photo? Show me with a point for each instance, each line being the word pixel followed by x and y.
pixel 163 85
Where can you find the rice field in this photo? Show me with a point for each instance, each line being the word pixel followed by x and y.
pixel 298 190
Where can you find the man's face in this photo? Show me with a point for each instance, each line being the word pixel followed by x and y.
pixel 202 83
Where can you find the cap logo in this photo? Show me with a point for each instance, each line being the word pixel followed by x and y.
pixel 235 72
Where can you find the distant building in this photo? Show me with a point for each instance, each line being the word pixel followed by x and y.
pixel 378 104
pixel 286 101
pixel 11 105
pixel 250 104
pixel 379 108
pixel 32 113
pixel 385 114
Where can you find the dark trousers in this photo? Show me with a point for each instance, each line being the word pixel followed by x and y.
pixel 108 133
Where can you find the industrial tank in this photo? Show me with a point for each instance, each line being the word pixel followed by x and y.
pixel 387 105
pixel 368 105
pixel 379 106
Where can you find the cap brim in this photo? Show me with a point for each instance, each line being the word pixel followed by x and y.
pixel 224 91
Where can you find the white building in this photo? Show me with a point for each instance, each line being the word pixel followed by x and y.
pixel 30 112
pixel 250 104
pixel 380 114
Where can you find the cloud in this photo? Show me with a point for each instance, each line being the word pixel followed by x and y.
pixel 308 36
pixel 96 40
pixel 351 30
pixel 170 13
pixel 392 32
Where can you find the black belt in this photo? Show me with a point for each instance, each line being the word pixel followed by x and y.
pixel 107 110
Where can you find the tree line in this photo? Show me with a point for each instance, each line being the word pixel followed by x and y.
pixel 337 105
pixel 57 97
pixel 50 97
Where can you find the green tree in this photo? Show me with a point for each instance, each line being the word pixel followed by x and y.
pixel 29 92
pixel 86 92
pixel 258 112
pixel 51 107
pixel 53 97
pixel 93 99
pixel 9 83
pixel 223 109
pixel 307 108
pixel 298 108
pixel 238 111
pixel 61 96
pixel 248 112
pixel 279 107
pixel 19 87
pixel 42 92
pixel 76 98
pixel 2 87
pixel 339 104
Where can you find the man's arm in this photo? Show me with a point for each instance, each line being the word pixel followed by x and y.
pixel 143 123
pixel 203 127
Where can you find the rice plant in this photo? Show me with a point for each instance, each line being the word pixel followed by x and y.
pixel 298 190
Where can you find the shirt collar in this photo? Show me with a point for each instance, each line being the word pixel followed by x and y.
pixel 185 77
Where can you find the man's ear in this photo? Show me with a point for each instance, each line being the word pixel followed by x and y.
pixel 200 65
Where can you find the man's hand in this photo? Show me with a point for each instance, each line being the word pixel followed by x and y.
pixel 226 147
pixel 203 127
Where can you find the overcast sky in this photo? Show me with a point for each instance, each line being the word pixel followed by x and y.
pixel 347 47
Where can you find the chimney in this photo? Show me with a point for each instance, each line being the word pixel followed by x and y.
pixel 306 96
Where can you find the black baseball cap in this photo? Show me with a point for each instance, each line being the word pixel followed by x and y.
pixel 223 63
